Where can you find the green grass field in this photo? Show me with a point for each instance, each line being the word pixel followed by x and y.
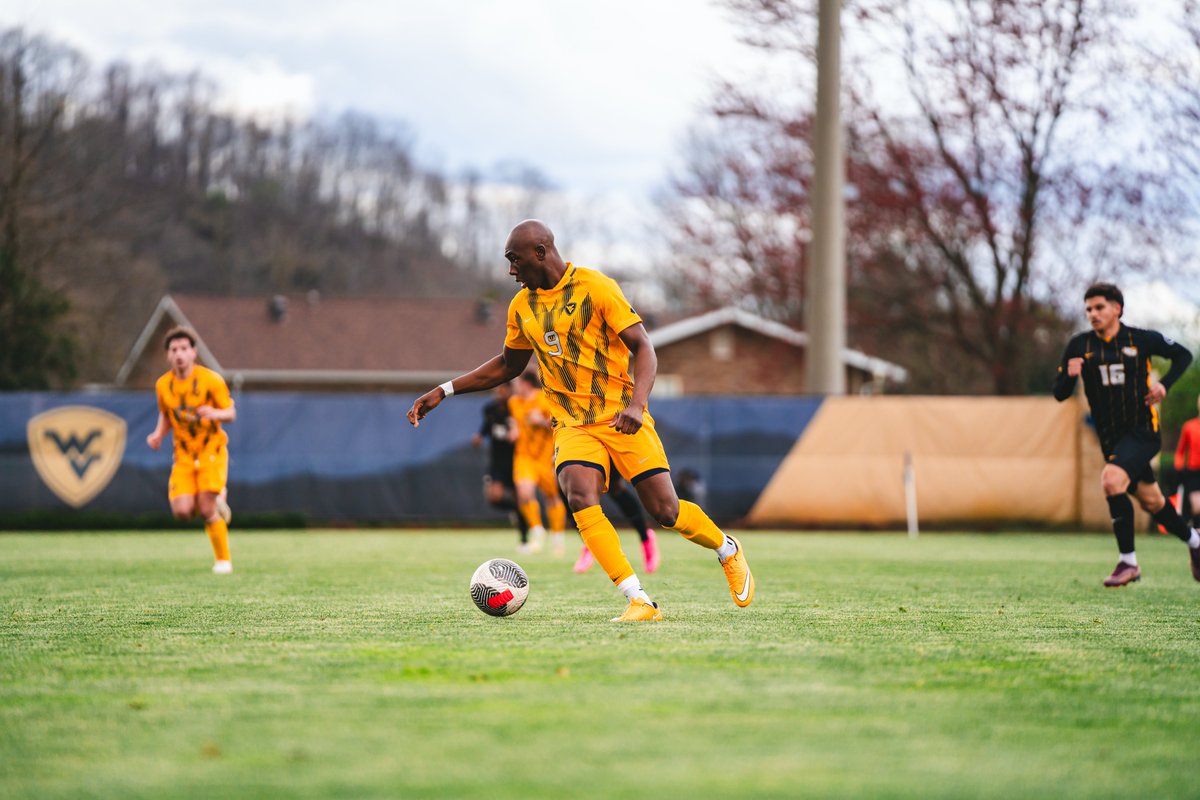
pixel 355 665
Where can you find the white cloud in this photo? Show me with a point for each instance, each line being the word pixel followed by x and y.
pixel 1160 306
pixel 596 95
pixel 263 86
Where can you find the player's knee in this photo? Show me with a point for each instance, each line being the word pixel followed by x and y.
pixel 1151 507
pixel 665 512
pixel 1153 503
pixel 1113 483
pixel 183 512
pixel 578 500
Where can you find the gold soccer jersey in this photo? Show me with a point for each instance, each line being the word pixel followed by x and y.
pixel 178 400
pixel 573 328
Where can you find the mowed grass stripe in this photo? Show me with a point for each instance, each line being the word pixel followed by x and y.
pixel 352 664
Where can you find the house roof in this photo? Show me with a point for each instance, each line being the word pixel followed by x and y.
pixel 308 339
pixel 335 340
pixel 693 326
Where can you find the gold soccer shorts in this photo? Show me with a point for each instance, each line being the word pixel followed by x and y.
pixel 635 457
pixel 207 473
pixel 539 471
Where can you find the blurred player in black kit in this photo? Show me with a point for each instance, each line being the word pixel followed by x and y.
pixel 498 429
pixel 1114 361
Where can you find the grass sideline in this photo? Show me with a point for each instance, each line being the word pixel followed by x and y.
pixel 353 664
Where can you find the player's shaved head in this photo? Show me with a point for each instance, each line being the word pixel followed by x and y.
pixel 532 257
pixel 531 233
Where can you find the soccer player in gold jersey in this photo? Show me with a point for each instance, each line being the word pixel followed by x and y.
pixel 533 463
pixel 584 333
pixel 193 401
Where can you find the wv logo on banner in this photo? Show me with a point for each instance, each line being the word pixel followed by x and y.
pixel 76 450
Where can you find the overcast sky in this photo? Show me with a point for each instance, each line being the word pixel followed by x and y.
pixel 597 94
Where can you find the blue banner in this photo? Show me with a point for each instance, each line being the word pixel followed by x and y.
pixel 348 457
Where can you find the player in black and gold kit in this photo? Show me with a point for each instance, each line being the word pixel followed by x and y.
pixel 1114 361
pixel 586 336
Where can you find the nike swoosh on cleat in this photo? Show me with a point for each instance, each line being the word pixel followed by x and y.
pixel 745 592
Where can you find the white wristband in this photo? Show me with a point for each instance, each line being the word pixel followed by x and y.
pixel 448 388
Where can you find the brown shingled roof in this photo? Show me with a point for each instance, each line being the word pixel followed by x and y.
pixel 336 343
pixel 347 333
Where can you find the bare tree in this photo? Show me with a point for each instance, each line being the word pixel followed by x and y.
pixel 118 186
pixel 1182 107
pixel 982 177
pixel 740 216
pixel 36 79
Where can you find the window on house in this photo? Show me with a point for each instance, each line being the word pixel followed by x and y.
pixel 670 385
pixel 720 344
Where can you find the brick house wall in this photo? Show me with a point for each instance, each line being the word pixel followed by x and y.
pixel 732 360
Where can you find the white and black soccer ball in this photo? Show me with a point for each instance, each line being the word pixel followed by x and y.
pixel 499 587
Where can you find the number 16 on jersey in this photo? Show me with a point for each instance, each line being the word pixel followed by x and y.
pixel 1112 374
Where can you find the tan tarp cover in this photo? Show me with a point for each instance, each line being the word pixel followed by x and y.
pixel 974 458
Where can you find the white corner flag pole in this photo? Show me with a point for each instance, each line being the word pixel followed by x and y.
pixel 910 494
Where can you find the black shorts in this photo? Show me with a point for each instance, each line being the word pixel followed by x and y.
pixel 500 471
pixel 1133 453
pixel 1191 481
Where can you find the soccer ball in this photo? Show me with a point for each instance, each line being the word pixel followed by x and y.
pixel 499 587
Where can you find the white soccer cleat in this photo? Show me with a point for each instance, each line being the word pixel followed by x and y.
pixel 222 567
pixel 537 537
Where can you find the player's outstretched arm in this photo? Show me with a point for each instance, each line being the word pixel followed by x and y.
pixel 501 369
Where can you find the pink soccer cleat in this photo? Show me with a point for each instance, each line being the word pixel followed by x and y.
pixel 586 559
pixel 650 551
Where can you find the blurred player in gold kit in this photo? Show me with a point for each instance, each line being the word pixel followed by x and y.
pixel 193 401
pixel 533 463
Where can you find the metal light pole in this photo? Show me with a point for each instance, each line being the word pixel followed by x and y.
pixel 826 284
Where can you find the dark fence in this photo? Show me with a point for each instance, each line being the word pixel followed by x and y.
pixel 339 457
